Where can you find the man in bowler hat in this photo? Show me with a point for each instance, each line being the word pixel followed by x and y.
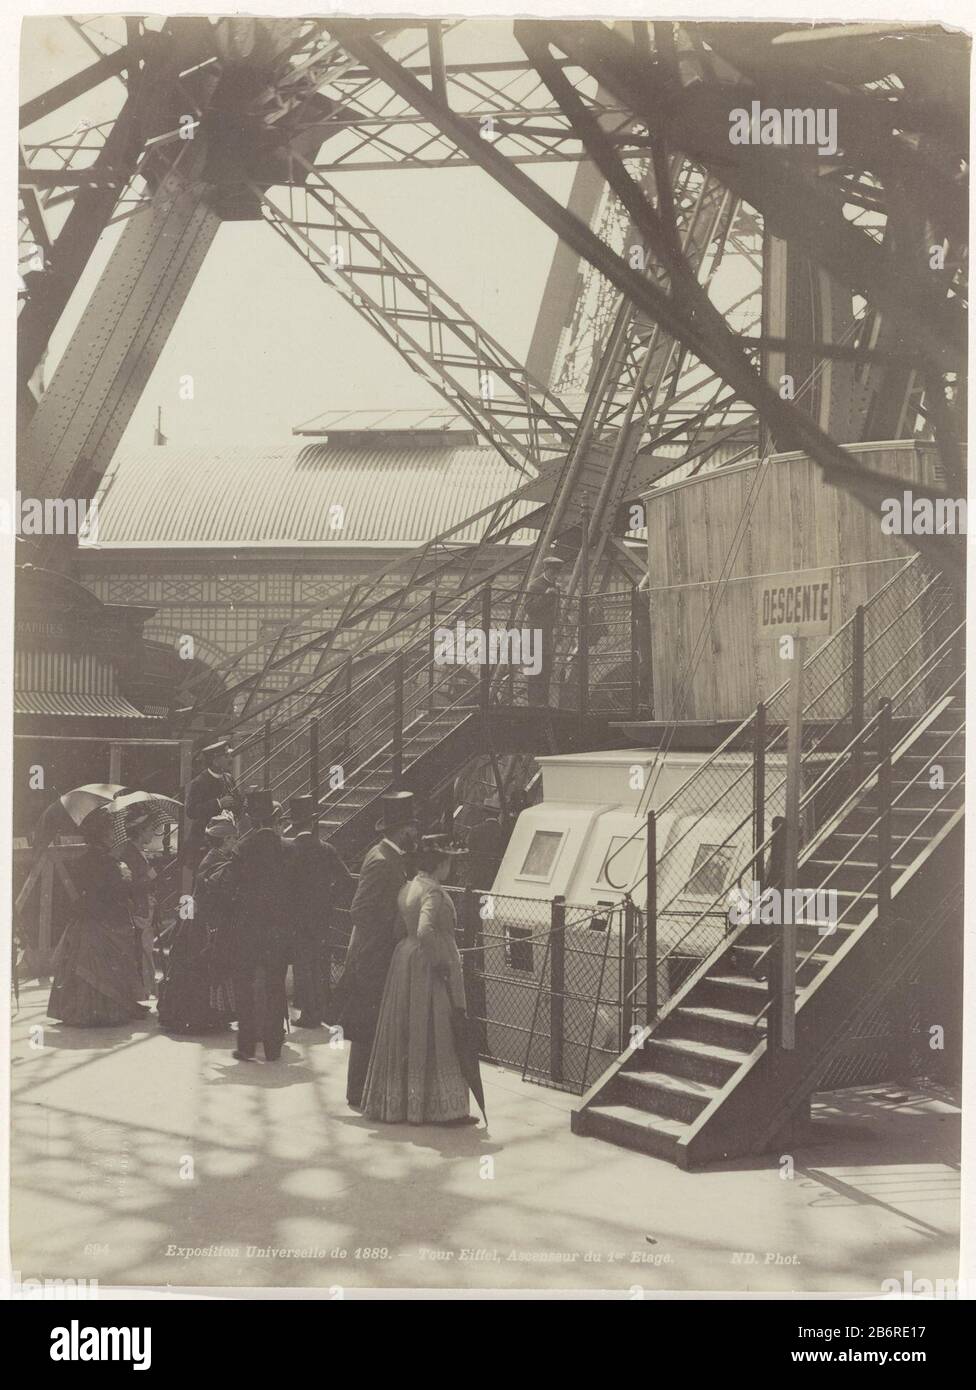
pixel 320 883
pixel 385 870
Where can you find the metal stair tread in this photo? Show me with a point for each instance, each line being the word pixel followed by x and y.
pixel 718 1015
pixel 700 1090
pixel 641 1119
pixel 739 981
pixel 707 1050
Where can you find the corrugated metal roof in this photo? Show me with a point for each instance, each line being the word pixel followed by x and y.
pixel 288 495
pixel 62 704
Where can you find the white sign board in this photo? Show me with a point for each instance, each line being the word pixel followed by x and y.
pixel 801 604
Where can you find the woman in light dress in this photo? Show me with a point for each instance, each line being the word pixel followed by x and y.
pixel 414 1071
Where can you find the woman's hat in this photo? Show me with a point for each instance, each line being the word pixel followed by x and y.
pixel 136 819
pixel 399 809
pixel 220 826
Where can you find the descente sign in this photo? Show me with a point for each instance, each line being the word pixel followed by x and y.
pixel 800 604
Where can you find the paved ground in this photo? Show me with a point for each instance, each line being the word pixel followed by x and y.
pixel 140 1159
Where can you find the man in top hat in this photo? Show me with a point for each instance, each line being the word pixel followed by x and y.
pixel 320 883
pixel 542 612
pixel 210 792
pixel 385 870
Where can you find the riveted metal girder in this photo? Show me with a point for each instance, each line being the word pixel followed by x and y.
pixel 112 352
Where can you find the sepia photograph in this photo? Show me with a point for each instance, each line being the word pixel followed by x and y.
pixel 487 620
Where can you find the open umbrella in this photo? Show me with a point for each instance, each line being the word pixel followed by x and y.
pixel 468 1057
pixel 81 801
pixel 160 808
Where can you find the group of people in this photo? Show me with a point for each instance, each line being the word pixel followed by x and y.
pixel 260 903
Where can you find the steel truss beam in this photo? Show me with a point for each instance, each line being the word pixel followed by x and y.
pixel 305 658
pixel 688 314
pixel 431 331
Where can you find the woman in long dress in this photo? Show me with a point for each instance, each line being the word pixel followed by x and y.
pixel 188 1001
pixel 96 981
pixel 414 1071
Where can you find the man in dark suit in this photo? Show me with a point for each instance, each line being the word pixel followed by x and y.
pixel 320 883
pixel 210 792
pixel 385 870
pixel 260 945
pixel 542 614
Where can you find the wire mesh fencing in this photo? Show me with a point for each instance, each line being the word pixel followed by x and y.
pixel 544 981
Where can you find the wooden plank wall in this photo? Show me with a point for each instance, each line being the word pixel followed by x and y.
pixel 711 664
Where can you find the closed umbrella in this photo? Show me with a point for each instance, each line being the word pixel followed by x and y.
pixel 468 1057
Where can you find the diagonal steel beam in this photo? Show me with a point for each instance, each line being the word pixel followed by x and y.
pixel 712 346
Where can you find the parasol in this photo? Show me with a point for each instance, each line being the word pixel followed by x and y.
pixel 161 808
pixel 81 801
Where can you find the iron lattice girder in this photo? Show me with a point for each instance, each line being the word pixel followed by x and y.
pixel 503 97
pixel 608 471
pixel 801 209
pixel 702 331
pixel 82 415
pixel 430 331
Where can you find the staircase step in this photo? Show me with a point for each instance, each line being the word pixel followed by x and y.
pixel 904 819
pixel 725 989
pixel 659 1093
pixel 633 1128
pixel 690 1058
pixel 726 1027
pixel 808 937
pixel 753 959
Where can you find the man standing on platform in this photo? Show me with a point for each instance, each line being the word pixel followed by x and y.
pixel 542 613
pixel 321 883
pixel 385 870
pixel 260 938
pixel 210 792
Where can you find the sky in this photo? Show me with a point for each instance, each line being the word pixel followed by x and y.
pixel 267 344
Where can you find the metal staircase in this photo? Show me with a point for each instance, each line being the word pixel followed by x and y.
pixel 412 721
pixel 706 1077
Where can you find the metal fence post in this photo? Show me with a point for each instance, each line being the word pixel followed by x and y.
pixel 628 973
pixel 758 779
pixel 396 771
pixel 557 985
pixel 884 809
pixel 857 690
pixel 473 967
pixel 651 919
